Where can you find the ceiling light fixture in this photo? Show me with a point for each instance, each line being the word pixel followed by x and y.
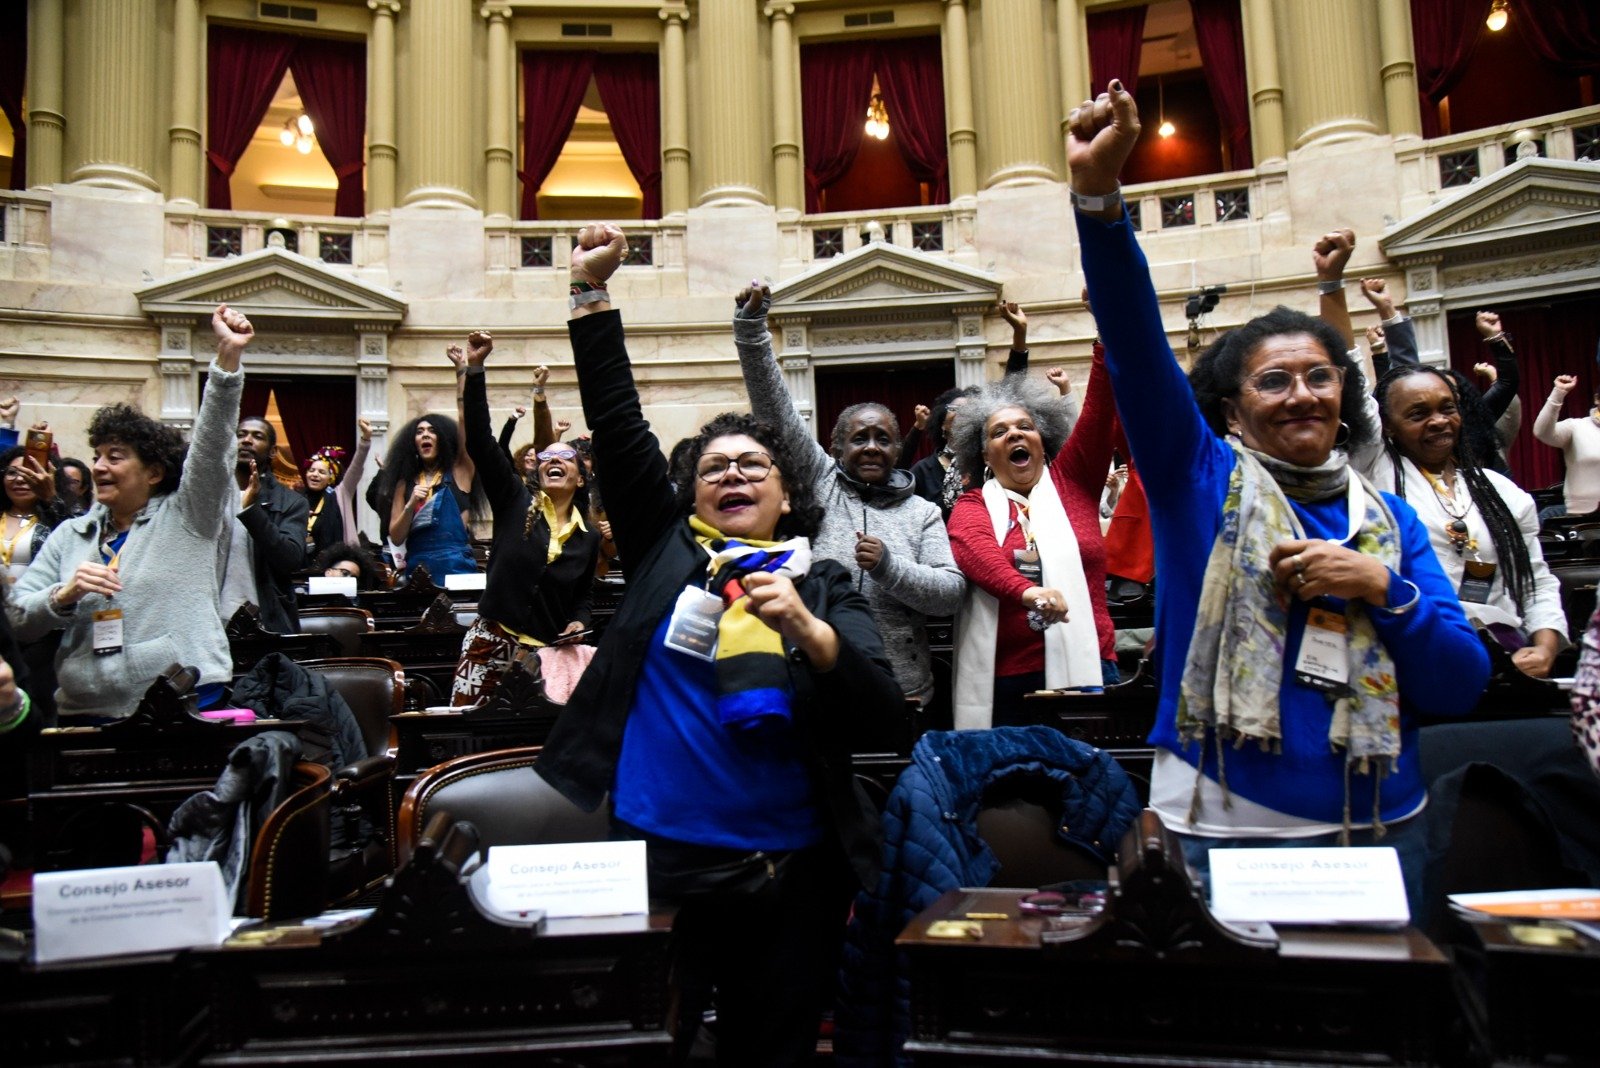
pixel 877 115
pixel 1166 129
pixel 1499 15
pixel 298 133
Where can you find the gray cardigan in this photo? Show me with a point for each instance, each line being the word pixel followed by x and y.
pixel 168 570
pixel 917 576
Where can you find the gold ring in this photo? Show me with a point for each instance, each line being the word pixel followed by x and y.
pixel 1299 563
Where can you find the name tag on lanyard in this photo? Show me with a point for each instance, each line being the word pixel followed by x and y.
pixel 1324 659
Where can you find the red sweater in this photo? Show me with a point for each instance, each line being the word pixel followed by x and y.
pixel 1079 470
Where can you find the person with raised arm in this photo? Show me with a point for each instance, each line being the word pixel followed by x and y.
pixel 891 541
pixel 1304 623
pixel 133 584
pixel 429 481
pixel 1579 442
pixel 718 708
pixel 541 565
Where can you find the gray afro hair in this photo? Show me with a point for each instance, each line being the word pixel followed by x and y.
pixel 1036 397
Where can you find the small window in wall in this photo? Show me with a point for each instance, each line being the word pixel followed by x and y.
pixel 1466 65
pixel 591 135
pixel 283 170
pixel 1189 79
pixel 873 113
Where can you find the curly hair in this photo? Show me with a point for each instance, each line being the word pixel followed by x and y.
pixel 805 513
pixel 1039 399
pixel 370 577
pixel 403 463
pixel 1218 372
pixel 1509 544
pixel 841 425
pixel 63 492
pixel 154 443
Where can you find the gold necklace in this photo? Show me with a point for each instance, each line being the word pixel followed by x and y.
pixel 1456 529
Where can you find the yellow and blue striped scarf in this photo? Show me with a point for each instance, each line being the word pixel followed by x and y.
pixel 752 679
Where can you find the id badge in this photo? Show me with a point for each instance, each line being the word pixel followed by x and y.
pixel 1027 564
pixel 108 631
pixel 1324 660
pixel 693 627
pixel 1476 580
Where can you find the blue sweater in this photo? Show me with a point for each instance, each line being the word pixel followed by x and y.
pixel 1439 662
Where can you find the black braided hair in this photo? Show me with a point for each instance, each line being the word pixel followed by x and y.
pixel 1509 545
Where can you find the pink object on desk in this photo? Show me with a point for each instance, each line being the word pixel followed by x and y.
pixel 230 715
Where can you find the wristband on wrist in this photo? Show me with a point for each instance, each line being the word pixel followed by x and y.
pixel 587 296
pixel 11 718
pixel 579 286
pixel 1328 287
pixel 1096 203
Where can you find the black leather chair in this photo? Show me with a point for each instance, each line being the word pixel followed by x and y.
pixel 374 687
pixel 500 794
pixel 288 875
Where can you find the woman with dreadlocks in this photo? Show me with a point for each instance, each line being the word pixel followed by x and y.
pixel 1483 528
pixel 541 568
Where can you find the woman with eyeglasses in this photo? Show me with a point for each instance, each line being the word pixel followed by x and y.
pixel 541 565
pixel 717 711
pixel 1305 623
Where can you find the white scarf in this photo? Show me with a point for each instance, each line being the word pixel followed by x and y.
pixel 1071 649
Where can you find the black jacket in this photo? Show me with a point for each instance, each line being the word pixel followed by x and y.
pixel 276 524
pixel 580 758
pixel 328 527
pixel 524 592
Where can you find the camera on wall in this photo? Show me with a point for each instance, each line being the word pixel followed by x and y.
pixel 1202 301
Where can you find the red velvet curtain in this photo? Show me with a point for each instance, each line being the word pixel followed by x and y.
pixel 835 87
pixel 1220 29
pixel 553 84
pixel 900 389
pixel 316 412
pixel 630 89
pixel 1115 40
pixel 13 79
pixel 1444 33
pixel 243 71
pixel 332 79
pixel 1551 339
pixel 911 76
pixel 1565 33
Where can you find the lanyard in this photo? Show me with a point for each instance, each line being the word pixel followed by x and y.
pixel 8 548
pixel 1022 517
pixel 111 549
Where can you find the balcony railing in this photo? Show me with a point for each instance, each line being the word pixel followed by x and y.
pixel 941 230
pixel 24 220
pixel 1228 199
pixel 1430 169
pixel 539 245
pixel 197 237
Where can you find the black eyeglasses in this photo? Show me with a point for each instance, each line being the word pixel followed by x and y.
pixel 753 466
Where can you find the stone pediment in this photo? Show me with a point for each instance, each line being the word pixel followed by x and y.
pixel 1535 204
pixel 274 284
pixel 880 277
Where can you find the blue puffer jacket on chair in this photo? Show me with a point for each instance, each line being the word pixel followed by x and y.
pixel 931 844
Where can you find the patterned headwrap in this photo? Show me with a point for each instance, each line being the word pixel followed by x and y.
pixel 331 455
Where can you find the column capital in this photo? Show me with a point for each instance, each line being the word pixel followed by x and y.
pixel 955 3
pixel 384 7
pixel 778 9
pixel 670 14
pixel 493 11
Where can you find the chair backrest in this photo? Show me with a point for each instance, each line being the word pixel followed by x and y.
pixel 501 795
pixel 344 625
pixel 288 874
pixel 373 687
pixel 1022 835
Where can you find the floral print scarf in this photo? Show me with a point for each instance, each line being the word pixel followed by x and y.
pixel 1235 664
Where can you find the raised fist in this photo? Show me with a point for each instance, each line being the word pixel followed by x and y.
pixel 233 330
pixel 1058 377
pixel 479 344
pixel 753 301
pixel 1376 290
pixel 1566 383
pixel 1332 251
pixel 1375 339
pixel 541 375
pixel 1012 313
pixel 1488 324
pixel 1101 134
pixel 598 253
pixel 365 428
pixel 562 426
pixel 456 356
pixel 1487 371
pixel 919 416
pixel 9 409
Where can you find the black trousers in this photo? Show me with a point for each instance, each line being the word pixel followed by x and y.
pixel 766 960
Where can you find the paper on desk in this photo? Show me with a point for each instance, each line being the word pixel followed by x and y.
pixel 1328 885
pixel 1574 904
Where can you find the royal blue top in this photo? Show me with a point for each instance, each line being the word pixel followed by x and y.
pixel 735 789
pixel 1439 662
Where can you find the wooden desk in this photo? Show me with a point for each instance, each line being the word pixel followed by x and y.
pixel 1539 999
pixel 1320 998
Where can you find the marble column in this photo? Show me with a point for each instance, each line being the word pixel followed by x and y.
pixel 380 106
pixel 675 118
pixel 438 138
pixel 731 163
pixel 1399 71
pixel 790 178
pixel 1021 135
pixel 115 76
pixel 183 136
pixel 47 122
pixel 1266 94
pixel 1072 43
pixel 962 133
pixel 1332 71
pixel 500 156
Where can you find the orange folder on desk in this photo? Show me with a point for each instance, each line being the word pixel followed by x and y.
pixel 1574 904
